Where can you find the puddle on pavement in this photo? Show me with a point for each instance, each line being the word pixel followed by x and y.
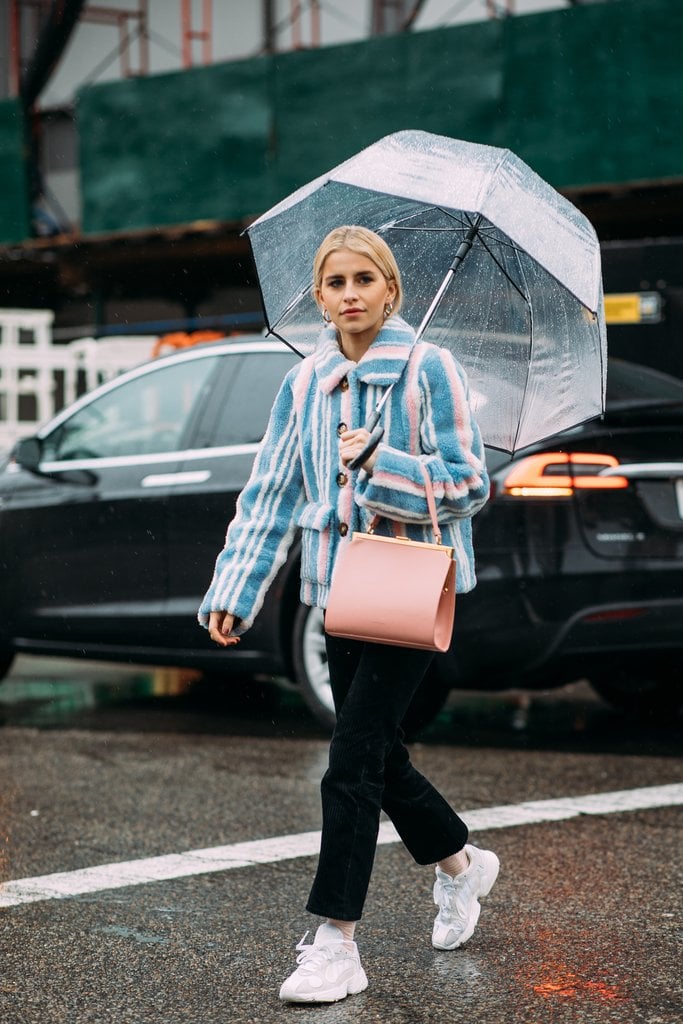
pixel 572 717
pixel 42 702
pixel 141 938
pixel 45 694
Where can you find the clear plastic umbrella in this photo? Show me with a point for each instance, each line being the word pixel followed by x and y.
pixel 524 315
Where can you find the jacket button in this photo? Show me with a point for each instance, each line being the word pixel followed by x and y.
pixel 341 429
pixel 343 529
pixel 342 479
pixel 344 384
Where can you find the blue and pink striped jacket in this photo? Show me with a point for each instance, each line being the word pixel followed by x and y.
pixel 298 480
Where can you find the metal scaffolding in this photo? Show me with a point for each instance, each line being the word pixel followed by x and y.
pixel 132 25
pixel 285 24
pixel 192 33
pixel 389 16
pixel 28 18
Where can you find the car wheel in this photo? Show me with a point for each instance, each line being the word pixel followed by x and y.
pixel 310 664
pixel 6 659
pixel 646 690
pixel 312 677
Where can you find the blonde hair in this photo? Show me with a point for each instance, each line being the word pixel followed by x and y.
pixel 365 243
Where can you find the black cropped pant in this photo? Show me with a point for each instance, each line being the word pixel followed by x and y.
pixel 369 771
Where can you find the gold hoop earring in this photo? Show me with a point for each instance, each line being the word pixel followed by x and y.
pixel 326 317
pixel 388 309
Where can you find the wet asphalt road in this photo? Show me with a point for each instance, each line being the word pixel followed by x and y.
pixel 584 924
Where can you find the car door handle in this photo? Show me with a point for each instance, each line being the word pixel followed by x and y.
pixel 645 470
pixel 198 476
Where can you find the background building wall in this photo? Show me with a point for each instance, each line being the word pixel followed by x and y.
pixel 588 96
pixel 171 167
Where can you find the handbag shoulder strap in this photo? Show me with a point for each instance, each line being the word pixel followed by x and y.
pixel 431 505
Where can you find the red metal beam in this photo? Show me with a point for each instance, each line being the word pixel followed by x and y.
pixel 120 17
pixel 190 33
pixel 14 48
pixel 295 20
pixel 296 23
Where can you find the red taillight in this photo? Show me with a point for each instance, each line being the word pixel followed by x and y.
pixel 615 615
pixel 558 475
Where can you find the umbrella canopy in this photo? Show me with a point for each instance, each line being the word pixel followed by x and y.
pixel 524 316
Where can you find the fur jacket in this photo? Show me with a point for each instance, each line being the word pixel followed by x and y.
pixel 299 482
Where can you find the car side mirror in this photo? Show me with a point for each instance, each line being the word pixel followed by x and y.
pixel 28 452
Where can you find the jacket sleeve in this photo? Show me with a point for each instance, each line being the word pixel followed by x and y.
pixel 262 530
pixel 451 449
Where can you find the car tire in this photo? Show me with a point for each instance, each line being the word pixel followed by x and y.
pixel 643 690
pixel 6 659
pixel 309 658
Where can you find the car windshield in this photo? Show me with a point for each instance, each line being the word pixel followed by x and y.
pixel 631 384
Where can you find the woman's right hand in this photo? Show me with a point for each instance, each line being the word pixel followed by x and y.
pixel 221 625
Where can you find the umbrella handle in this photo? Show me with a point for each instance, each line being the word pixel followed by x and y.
pixel 375 438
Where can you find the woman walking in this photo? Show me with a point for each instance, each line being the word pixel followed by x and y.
pixel 301 478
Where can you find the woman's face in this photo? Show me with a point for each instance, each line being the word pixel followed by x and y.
pixel 355 293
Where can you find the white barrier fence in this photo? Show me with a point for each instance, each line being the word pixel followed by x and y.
pixel 38 378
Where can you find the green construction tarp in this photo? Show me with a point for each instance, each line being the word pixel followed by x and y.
pixel 15 224
pixel 175 148
pixel 588 96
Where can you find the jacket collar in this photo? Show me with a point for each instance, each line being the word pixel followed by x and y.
pixel 382 364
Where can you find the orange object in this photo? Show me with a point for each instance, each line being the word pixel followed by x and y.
pixel 183 339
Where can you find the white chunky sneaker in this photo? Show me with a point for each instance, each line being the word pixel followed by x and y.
pixel 328 970
pixel 458 898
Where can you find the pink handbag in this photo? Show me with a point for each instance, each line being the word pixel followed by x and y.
pixel 391 590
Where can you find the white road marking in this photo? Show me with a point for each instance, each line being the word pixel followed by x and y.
pixel 64 884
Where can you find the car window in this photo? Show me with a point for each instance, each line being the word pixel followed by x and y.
pixel 143 416
pixel 243 416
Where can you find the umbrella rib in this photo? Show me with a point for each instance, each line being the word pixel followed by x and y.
pixel 491 232
pixel 393 225
pixel 400 224
pixel 478 218
pixel 273 332
pixel 424 231
pixel 397 226
pixel 464 221
pixel 505 273
pixel 528 369
pixel 290 305
pixel 397 223
pixel 468 220
pixel 501 240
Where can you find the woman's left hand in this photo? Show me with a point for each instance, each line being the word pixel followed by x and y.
pixel 352 443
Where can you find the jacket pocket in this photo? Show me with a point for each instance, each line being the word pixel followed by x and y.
pixel 316 520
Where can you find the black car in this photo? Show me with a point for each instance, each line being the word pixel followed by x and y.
pixel 111 519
